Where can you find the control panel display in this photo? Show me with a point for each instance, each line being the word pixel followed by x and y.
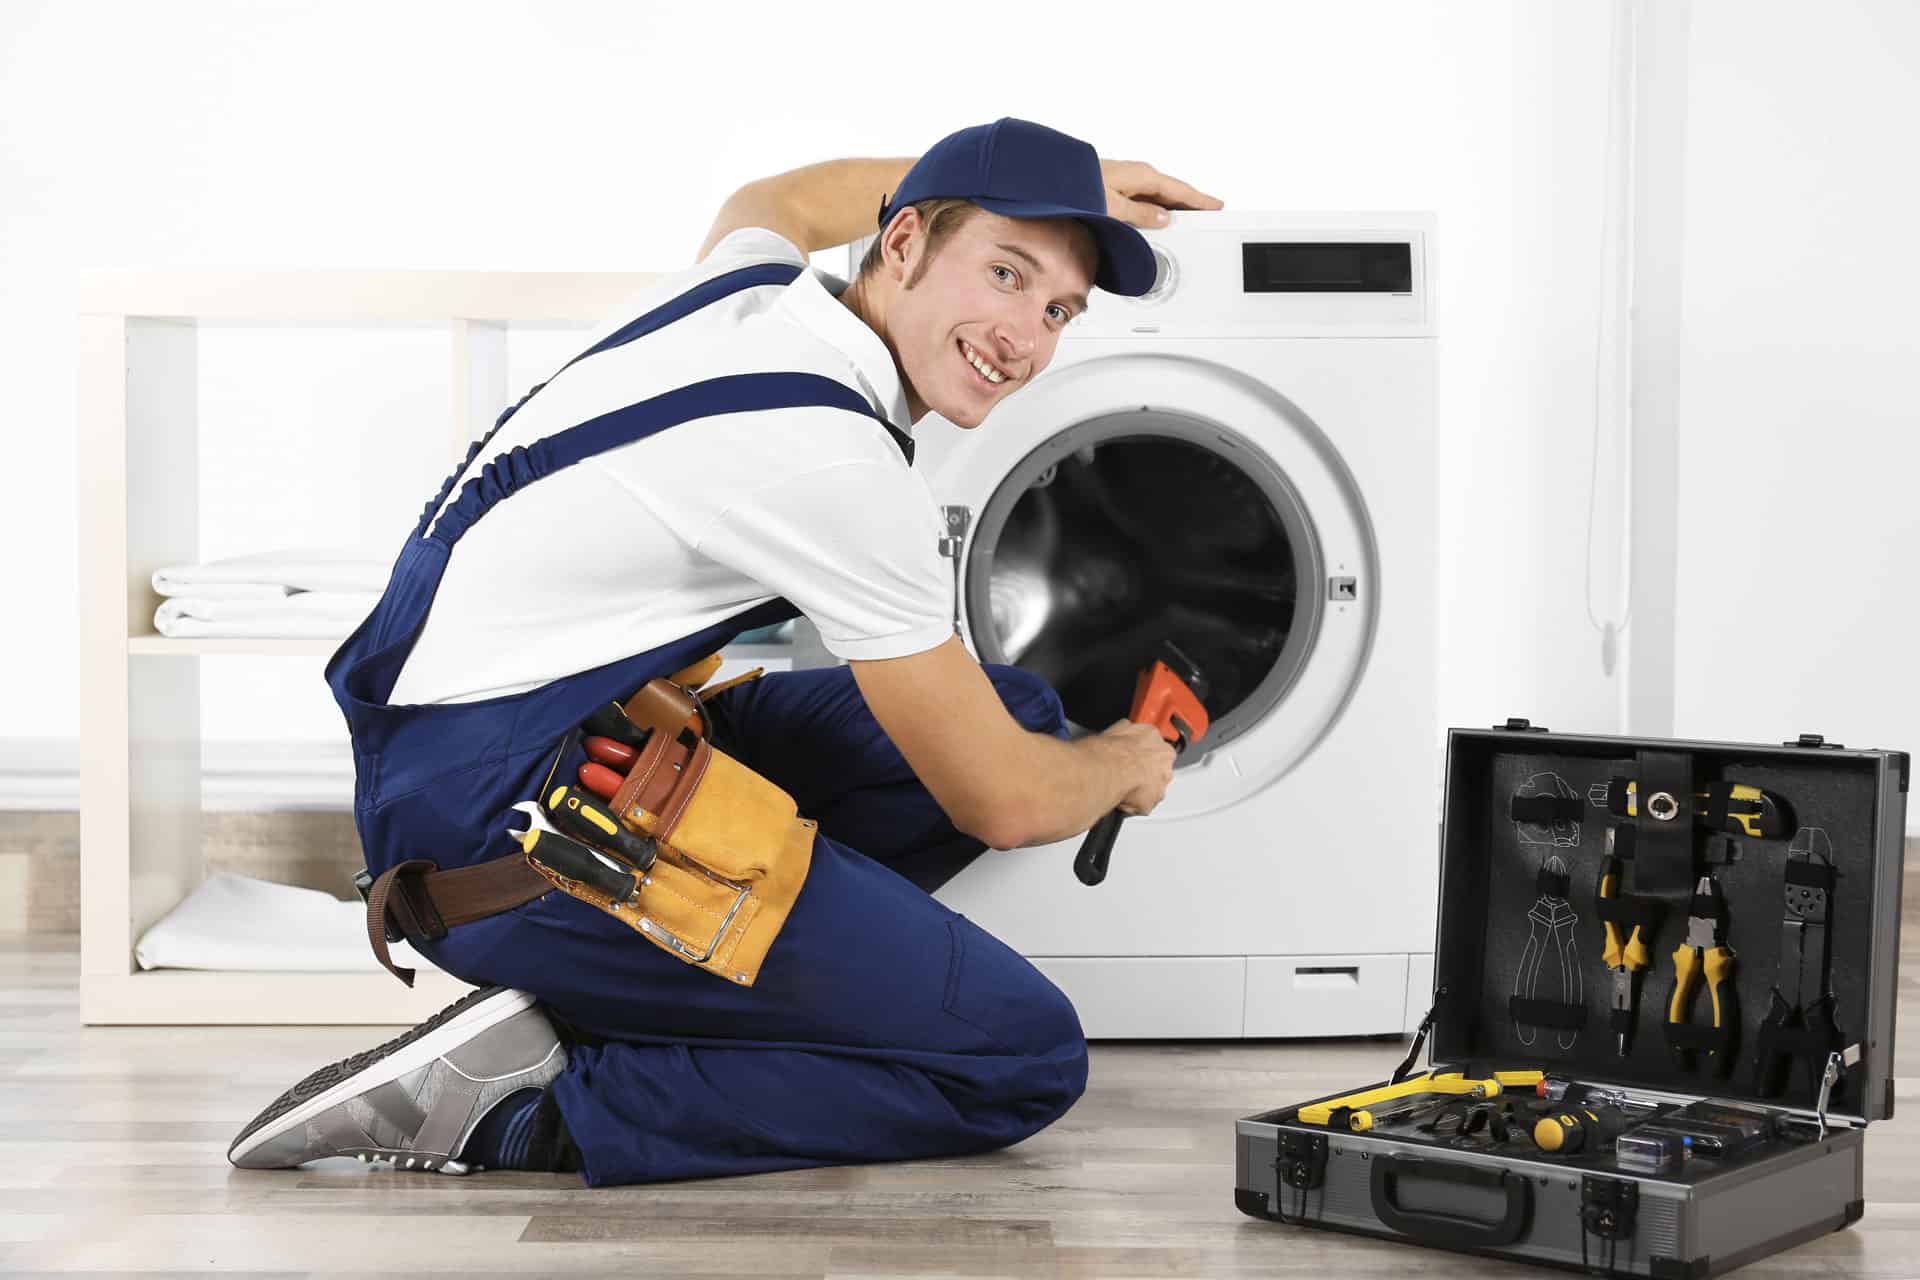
pixel 1342 267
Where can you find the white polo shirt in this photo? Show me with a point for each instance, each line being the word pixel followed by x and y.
pixel 650 542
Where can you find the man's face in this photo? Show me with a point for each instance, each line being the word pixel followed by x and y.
pixel 996 294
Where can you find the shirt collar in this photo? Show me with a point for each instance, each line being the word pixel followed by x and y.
pixel 813 299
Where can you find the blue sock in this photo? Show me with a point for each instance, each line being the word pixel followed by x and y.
pixel 500 1139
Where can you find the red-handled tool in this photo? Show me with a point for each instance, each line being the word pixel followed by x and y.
pixel 1167 696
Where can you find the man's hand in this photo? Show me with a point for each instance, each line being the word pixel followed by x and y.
pixel 1140 195
pixel 1142 754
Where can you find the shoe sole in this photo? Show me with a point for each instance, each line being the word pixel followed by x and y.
pixel 330 1085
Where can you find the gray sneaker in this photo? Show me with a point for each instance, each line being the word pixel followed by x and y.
pixel 414 1100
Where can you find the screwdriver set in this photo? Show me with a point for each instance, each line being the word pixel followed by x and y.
pixel 1662 1017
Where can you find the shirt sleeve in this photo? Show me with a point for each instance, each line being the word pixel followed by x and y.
pixel 756 243
pixel 854 546
pixel 738 247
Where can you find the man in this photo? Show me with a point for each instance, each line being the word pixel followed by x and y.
pixel 733 449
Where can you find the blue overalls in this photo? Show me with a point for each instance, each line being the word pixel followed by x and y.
pixel 882 1026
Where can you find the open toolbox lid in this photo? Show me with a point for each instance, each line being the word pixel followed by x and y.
pixel 1519 952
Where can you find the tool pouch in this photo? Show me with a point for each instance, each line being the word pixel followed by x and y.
pixel 733 851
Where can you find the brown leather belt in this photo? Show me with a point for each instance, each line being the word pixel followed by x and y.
pixel 415 899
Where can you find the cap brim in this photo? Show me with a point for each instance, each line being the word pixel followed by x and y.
pixel 1126 259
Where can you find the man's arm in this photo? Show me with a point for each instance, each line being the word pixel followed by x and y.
pixel 996 780
pixel 838 201
pixel 817 207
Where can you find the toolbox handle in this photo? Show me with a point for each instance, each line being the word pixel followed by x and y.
pixel 1443 1229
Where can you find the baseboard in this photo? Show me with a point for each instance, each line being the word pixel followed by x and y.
pixel 44 774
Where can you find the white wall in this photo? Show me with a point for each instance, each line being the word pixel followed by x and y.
pixel 586 135
pixel 1799 530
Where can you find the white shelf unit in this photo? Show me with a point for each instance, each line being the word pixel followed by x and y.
pixel 140 772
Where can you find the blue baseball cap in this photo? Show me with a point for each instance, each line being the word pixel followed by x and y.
pixel 1024 170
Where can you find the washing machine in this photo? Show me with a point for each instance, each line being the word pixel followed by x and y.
pixel 1240 462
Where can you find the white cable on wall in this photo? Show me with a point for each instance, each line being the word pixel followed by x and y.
pixel 1613 329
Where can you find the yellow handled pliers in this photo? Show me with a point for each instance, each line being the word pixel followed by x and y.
pixel 1703 954
pixel 1624 958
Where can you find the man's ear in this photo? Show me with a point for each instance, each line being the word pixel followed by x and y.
pixel 902 242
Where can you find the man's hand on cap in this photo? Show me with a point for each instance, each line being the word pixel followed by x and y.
pixel 1140 195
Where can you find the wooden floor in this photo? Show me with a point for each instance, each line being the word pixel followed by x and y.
pixel 112 1161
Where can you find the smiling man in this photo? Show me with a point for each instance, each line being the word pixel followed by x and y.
pixel 734 448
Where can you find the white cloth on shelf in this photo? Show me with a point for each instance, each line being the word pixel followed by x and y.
pixel 304 613
pixel 239 923
pixel 290 570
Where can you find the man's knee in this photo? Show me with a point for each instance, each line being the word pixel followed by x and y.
pixel 1029 699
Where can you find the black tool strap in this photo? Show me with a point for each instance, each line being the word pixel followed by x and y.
pixel 1718 794
pixel 1547 810
pixel 1547 1013
pixel 1663 849
pixel 1626 914
pixel 1690 1037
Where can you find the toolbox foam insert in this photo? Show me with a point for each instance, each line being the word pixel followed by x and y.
pixel 1491 881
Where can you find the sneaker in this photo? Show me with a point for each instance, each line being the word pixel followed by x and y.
pixel 413 1101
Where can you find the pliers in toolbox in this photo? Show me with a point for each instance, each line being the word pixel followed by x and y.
pixel 1802 1019
pixel 1626 959
pixel 1703 953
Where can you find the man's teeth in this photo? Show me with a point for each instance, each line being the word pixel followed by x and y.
pixel 992 374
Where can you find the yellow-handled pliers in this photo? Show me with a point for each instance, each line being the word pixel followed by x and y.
pixel 1704 953
pixel 1625 959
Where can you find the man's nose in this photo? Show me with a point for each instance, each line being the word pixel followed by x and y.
pixel 1017 338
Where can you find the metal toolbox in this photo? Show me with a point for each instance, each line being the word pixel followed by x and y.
pixel 1693 947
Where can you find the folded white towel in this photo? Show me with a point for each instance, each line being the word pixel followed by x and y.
pixel 304 613
pixel 237 922
pixel 296 569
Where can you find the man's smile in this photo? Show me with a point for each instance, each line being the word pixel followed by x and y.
pixel 983 368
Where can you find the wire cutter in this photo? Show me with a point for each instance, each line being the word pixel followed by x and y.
pixel 1626 959
pixel 1801 1015
pixel 1703 953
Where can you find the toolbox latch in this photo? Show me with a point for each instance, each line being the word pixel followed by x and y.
pixel 1302 1162
pixel 1515 724
pixel 1608 1207
pixel 1815 740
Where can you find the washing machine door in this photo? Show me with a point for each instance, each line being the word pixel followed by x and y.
pixel 1131 500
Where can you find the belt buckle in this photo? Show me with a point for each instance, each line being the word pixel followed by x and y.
pixel 363 885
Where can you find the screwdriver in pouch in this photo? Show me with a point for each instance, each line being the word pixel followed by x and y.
pixel 578 816
pixel 567 857
pixel 609 720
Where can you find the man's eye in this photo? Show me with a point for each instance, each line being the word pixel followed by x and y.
pixel 1002 273
pixel 1062 313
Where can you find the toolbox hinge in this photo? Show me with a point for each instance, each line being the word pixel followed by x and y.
pixel 1515 724
pixel 1815 740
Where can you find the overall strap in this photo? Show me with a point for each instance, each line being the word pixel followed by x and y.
pixel 676 308
pixel 735 393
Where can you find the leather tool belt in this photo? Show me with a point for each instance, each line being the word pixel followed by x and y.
pixel 725 852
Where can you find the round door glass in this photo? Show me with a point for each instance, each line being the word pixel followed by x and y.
pixel 1123 533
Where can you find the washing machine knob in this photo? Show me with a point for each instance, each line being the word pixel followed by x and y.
pixel 1165 276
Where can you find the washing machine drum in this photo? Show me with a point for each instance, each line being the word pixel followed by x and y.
pixel 1123 533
